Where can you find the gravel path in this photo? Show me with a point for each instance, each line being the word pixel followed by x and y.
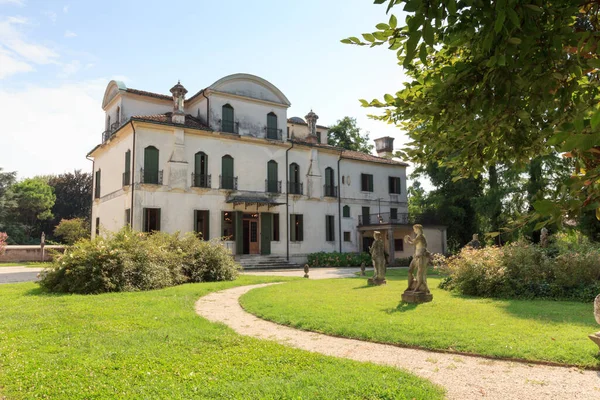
pixel 463 377
pixel 18 274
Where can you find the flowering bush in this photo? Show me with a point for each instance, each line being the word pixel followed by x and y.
pixel 130 261
pixel 523 270
pixel 335 259
pixel 3 239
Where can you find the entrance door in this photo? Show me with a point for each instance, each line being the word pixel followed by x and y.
pixel 250 228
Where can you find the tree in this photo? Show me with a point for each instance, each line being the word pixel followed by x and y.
pixel 416 199
pixel 347 135
pixel 499 82
pixel 71 230
pixel 34 199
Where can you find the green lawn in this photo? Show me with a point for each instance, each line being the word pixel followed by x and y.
pixel 29 264
pixel 538 330
pixel 152 345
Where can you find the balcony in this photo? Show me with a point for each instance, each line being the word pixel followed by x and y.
pixel 273 134
pixel 126 178
pixel 107 134
pixel 396 219
pixel 330 190
pixel 228 182
pixel 230 127
pixel 295 188
pixel 201 181
pixel 151 177
pixel 272 186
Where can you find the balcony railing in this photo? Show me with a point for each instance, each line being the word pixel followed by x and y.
pixel 230 127
pixel 107 134
pixel 126 178
pixel 272 186
pixel 330 190
pixel 201 180
pixel 273 133
pixel 295 187
pixel 228 182
pixel 396 219
pixel 151 177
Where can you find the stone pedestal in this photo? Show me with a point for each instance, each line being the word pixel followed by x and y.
pixel 376 282
pixel 410 296
pixel 595 337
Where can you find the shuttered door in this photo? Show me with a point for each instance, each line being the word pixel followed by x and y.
pixel 266 227
pixel 227 172
pixel 127 178
pixel 272 177
pixel 271 126
pixel 151 165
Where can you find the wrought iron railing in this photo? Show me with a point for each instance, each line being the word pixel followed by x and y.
pixel 273 133
pixel 107 134
pixel 201 180
pixel 228 182
pixel 272 186
pixel 151 177
pixel 230 127
pixel 330 190
pixel 295 187
pixel 126 178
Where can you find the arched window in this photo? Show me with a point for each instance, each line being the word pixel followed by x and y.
pixel 227 121
pixel 150 174
pixel 227 178
pixel 346 211
pixel 201 170
pixel 295 184
pixel 272 181
pixel 330 189
pixel 272 126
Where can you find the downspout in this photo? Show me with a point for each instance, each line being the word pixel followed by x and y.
pixel 339 201
pixel 207 108
pixel 132 178
pixel 287 206
pixel 93 189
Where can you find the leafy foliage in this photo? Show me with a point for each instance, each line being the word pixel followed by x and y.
pixel 34 200
pixel 498 83
pixel 71 230
pixel 335 259
pixel 73 193
pixel 347 135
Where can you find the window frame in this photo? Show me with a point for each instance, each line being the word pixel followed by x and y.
pixel 276 232
pixel 370 186
pixel 394 185
pixel 296 227
pixel 347 236
pixel 329 228
pixel 344 213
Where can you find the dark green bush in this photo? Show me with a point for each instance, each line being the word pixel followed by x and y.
pixel 130 261
pixel 403 261
pixel 524 270
pixel 335 259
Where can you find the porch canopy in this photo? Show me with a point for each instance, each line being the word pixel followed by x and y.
pixel 249 200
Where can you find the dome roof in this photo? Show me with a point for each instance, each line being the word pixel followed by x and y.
pixel 297 120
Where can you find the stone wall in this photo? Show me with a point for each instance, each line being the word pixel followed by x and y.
pixel 28 253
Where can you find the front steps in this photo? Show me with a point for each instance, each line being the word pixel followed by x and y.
pixel 258 261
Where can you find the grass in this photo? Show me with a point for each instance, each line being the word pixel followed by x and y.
pixel 152 345
pixel 536 330
pixel 29 264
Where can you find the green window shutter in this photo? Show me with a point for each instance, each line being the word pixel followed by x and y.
pixel 206 235
pixel 97 188
pixel 222 223
pixel 196 220
pixel 365 215
pixel 227 113
pixel 346 211
pixel 145 226
pixel 327 228
pixel 393 213
pixel 128 161
pixel 300 220
pixel 227 172
pixel 370 183
pixel 158 219
pixel 292 227
pixel 198 163
pixel 293 173
pixel 239 232
pixel 266 227
pixel 150 164
pixel 272 176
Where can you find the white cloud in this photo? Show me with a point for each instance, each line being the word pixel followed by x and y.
pixel 51 14
pixel 70 69
pixel 66 9
pixel 10 66
pixel 51 129
pixel 70 34
pixel 15 2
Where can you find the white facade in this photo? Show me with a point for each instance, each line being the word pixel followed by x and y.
pixel 255 114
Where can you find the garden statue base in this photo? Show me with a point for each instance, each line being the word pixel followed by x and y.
pixel 410 296
pixel 376 281
pixel 595 337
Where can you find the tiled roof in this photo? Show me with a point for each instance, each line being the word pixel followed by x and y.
pixel 296 122
pixel 195 95
pixel 150 94
pixel 190 121
pixel 353 155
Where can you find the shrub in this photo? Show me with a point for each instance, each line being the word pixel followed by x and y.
pixel 3 240
pixel 403 261
pixel 71 230
pixel 131 261
pixel 523 270
pixel 335 259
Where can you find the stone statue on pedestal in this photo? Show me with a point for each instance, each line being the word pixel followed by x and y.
pixel 418 291
pixel 474 243
pixel 595 337
pixel 544 238
pixel 378 257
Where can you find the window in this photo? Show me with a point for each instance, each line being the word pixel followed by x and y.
pixel 228 225
pixel 366 216
pixel 118 119
pixel 398 244
pixel 97 226
pixel 227 122
pixel 329 228
pixel 272 126
pixel 128 217
pixel 296 227
pixel 288 132
pixel 366 182
pixel 97 187
pixel 347 237
pixel 201 223
pixel 346 212
pixel 318 137
pixel 201 170
pixel 127 173
pixel 394 183
pixel 393 214
pixel 330 189
pixel 150 173
pixel 275 236
pixel 295 184
pixel 151 219
pixel 108 123
pixel 227 178
pixel 272 182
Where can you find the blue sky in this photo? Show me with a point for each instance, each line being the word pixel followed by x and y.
pixel 56 58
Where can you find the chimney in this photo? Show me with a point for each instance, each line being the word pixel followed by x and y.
pixel 385 146
pixel 311 120
pixel 178 92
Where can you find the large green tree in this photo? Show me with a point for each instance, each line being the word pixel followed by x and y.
pixel 499 82
pixel 346 134
pixel 34 201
